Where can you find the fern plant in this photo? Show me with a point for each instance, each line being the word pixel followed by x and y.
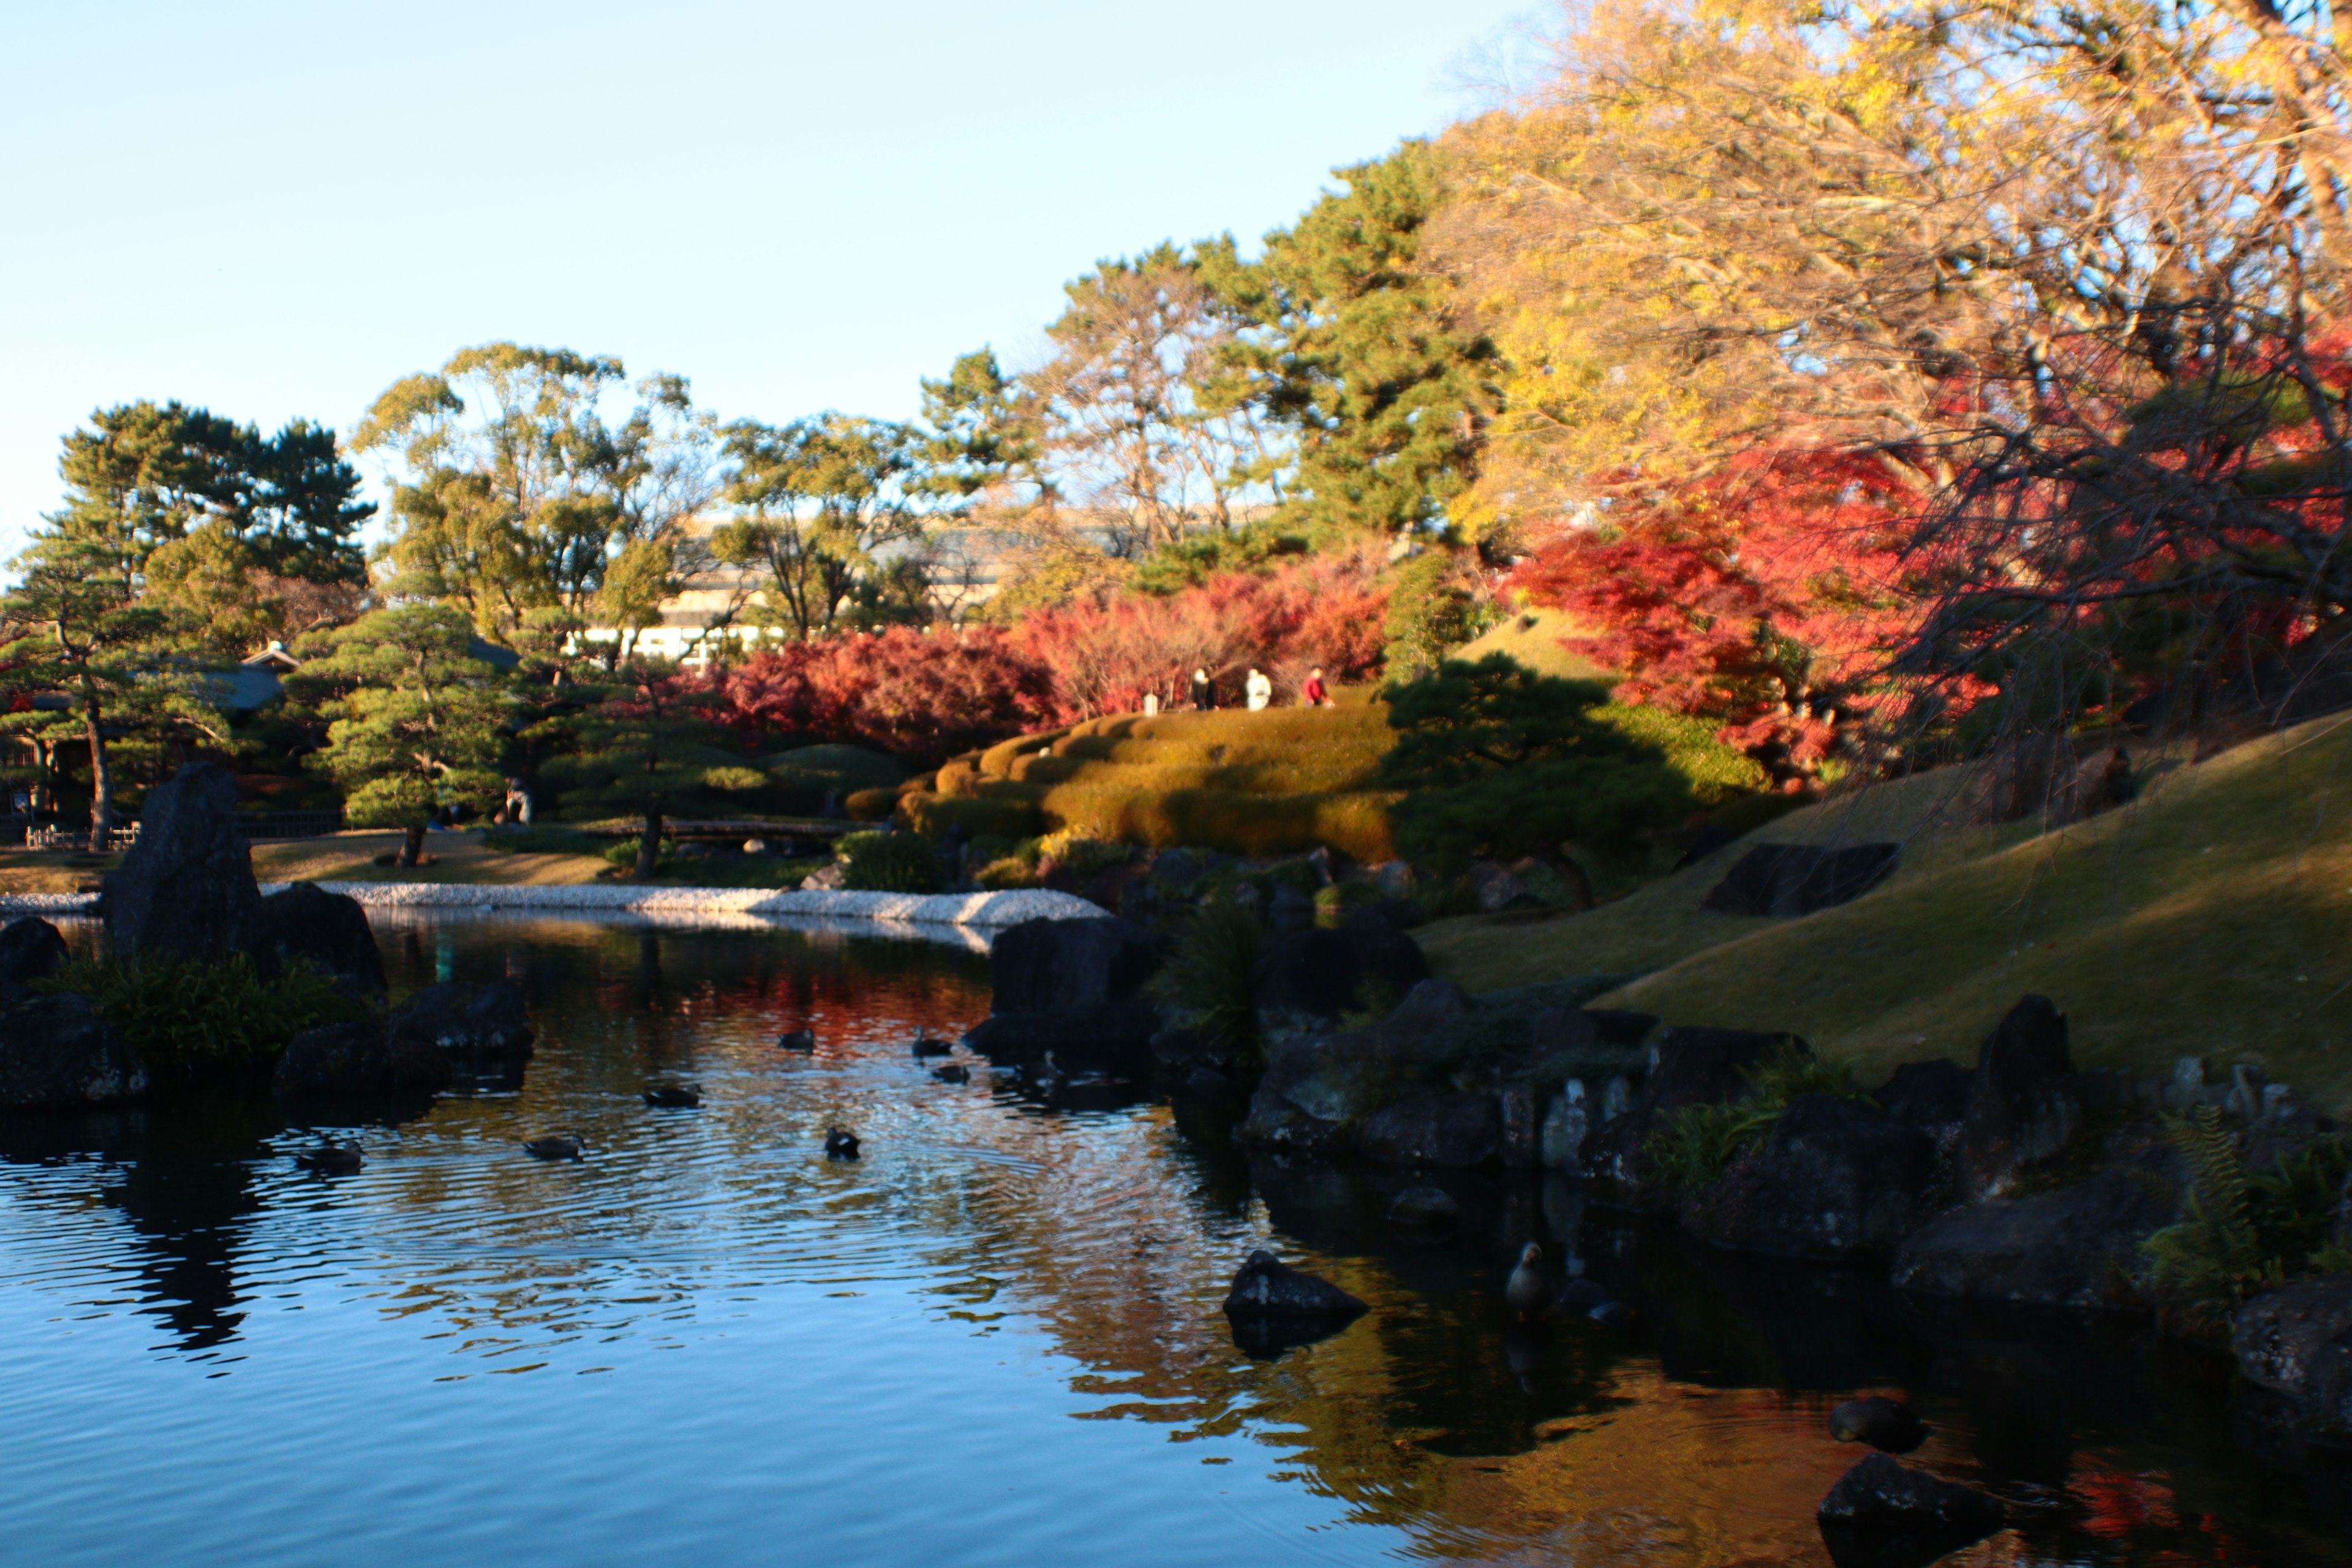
pixel 2246 1231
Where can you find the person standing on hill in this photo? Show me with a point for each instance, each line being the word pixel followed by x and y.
pixel 1314 693
pixel 1258 689
pixel 1204 696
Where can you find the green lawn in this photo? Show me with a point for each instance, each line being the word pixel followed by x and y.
pixel 2213 917
pixel 1274 782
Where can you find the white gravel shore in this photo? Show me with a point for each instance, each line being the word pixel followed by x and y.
pixel 675 904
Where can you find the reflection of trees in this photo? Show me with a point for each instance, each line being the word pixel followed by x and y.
pixel 182 1179
pixel 1116 1231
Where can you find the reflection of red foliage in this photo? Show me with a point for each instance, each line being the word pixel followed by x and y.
pixel 1762 596
pixel 1325 610
pixel 2115 1505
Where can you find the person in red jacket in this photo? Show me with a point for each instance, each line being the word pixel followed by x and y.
pixel 1314 693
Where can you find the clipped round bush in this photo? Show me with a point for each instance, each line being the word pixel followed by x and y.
pixel 871 805
pixel 888 863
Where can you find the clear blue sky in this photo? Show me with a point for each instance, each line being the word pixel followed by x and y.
pixel 277 210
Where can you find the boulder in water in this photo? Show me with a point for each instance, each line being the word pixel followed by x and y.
pixel 30 949
pixel 1832 1178
pixel 1884 1495
pixel 56 1054
pixel 329 930
pixel 360 1059
pixel 1267 1287
pixel 185 889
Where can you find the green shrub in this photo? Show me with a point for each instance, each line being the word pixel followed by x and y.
pixel 2246 1231
pixel 1502 762
pixel 888 863
pixel 1073 855
pixel 870 805
pixel 1206 980
pixel 193 1021
pixel 1691 1149
pixel 982 816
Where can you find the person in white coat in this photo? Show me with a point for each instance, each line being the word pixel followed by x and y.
pixel 1258 688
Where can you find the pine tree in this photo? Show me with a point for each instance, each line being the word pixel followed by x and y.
pixel 415 718
pixel 1363 351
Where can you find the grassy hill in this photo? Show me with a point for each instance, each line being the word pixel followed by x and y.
pixel 1533 637
pixel 2212 916
pixel 1283 779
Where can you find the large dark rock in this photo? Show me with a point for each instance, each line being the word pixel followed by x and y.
pixel 1450 1131
pixel 464 1019
pixel 1785 880
pixel 361 1059
pixel 329 930
pixel 185 889
pixel 2077 1247
pixel 2024 1106
pixel 1928 1094
pixel 1266 1286
pixel 1319 975
pixel 30 949
pixel 56 1054
pixel 1884 1495
pixel 1834 1178
pixel 1049 966
pixel 1315 1086
pixel 1109 1033
pixel 1688 1066
pixel 2296 1341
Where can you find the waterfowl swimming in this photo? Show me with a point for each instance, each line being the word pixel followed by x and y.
pixel 1044 1077
pixel 333 1158
pixel 673 1097
pixel 1524 1293
pixel 928 1045
pixel 840 1143
pixel 554 1146
pixel 954 1072
pixel 798 1040
pixel 1885 1424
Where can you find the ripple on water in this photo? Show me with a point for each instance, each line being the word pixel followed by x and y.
pixel 993 1339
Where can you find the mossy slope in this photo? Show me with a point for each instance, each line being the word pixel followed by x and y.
pixel 2213 917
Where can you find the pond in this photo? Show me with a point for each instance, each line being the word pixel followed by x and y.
pixel 993 1339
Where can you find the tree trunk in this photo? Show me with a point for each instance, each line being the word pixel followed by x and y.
pixel 101 782
pixel 412 848
pixel 649 847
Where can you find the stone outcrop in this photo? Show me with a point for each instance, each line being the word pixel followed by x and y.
pixel 2296 1341
pixel 2024 1106
pixel 1317 1087
pixel 1308 979
pixel 185 889
pixel 2077 1247
pixel 1834 1178
pixel 1782 880
pixel 1882 1495
pixel 1688 1066
pixel 1072 987
pixel 1448 1131
pixel 30 949
pixel 1932 1096
pixel 1068 966
pixel 490 1019
pixel 1273 1307
pixel 329 930
pixel 361 1059
pixel 56 1054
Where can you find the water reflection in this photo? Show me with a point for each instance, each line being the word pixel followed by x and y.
pixel 1006 1312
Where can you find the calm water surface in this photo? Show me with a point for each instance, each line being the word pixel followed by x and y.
pixel 993 1339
